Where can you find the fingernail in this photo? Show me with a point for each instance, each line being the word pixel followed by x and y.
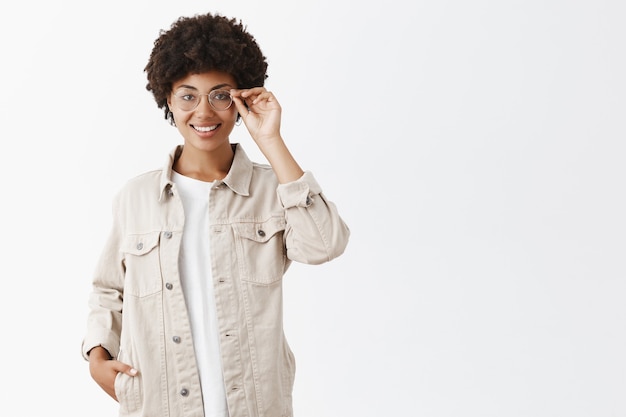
pixel 133 371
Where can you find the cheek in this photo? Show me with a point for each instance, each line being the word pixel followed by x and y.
pixel 232 116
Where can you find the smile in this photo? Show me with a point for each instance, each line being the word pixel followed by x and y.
pixel 205 128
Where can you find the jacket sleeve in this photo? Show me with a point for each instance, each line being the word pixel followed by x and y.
pixel 314 232
pixel 104 321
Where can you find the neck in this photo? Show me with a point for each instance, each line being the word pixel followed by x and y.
pixel 205 166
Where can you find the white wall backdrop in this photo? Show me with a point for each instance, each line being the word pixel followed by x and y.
pixel 475 148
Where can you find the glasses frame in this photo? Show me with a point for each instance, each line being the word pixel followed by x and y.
pixel 210 96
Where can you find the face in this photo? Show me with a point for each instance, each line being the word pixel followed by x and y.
pixel 204 128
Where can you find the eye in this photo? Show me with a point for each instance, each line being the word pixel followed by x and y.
pixel 185 94
pixel 221 96
pixel 187 97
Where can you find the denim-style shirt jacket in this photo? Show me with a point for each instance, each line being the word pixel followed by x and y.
pixel 137 306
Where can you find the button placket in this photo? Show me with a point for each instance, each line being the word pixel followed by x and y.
pixel 168 235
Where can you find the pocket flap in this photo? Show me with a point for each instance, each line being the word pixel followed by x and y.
pixel 140 244
pixel 262 231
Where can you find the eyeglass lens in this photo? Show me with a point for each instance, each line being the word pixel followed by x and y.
pixel 187 100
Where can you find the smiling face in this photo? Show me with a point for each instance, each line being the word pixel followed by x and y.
pixel 204 128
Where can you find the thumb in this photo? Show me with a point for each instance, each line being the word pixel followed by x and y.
pixel 239 104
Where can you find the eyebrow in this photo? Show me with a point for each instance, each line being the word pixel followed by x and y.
pixel 191 87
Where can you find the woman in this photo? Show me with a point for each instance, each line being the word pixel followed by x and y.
pixel 186 309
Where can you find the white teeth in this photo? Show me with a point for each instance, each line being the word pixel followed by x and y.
pixel 205 128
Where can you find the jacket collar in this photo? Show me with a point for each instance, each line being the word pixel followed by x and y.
pixel 238 177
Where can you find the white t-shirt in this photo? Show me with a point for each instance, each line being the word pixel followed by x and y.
pixel 195 274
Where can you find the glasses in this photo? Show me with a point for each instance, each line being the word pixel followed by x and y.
pixel 187 100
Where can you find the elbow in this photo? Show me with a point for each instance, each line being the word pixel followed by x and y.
pixel 319 251
pixel 338 244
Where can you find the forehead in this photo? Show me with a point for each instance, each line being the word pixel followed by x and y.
pixel 206 81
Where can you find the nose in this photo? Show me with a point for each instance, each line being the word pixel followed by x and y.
pixel 204 106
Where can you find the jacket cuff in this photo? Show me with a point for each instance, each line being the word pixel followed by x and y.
pixel 107 341
pixel 299 193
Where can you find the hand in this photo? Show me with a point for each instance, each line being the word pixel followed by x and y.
pixel 103 369
pixel 260 112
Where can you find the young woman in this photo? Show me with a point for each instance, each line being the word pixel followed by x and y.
pixel 186 307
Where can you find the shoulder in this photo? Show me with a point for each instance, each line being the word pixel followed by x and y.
pixel 140 186
pixel 263 174
pixel 262 169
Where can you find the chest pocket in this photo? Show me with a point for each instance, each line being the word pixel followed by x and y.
pixel 143 268
pixel 260 250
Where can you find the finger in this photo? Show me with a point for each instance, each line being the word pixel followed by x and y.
pixel 125 368
pixel 266 96
pixel 254 95
pixel 252 91
pixel 242 108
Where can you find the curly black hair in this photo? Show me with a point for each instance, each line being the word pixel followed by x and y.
pixel 201 43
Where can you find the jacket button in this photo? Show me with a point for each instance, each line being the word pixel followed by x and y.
pixel 168 235
pixel 176 339
pixel 169 286
pixel 184 392
pixel 261 233
pixel 139 246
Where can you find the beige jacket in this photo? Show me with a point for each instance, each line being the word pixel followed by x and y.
pixel 138 312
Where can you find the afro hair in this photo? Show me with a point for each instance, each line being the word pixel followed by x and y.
pixel 201 43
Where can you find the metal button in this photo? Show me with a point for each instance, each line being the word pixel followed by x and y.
pixel 184 392
pixel 261 233
pixel 176 339
pixel 168 235
pixel 139 246
pixel 169 286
